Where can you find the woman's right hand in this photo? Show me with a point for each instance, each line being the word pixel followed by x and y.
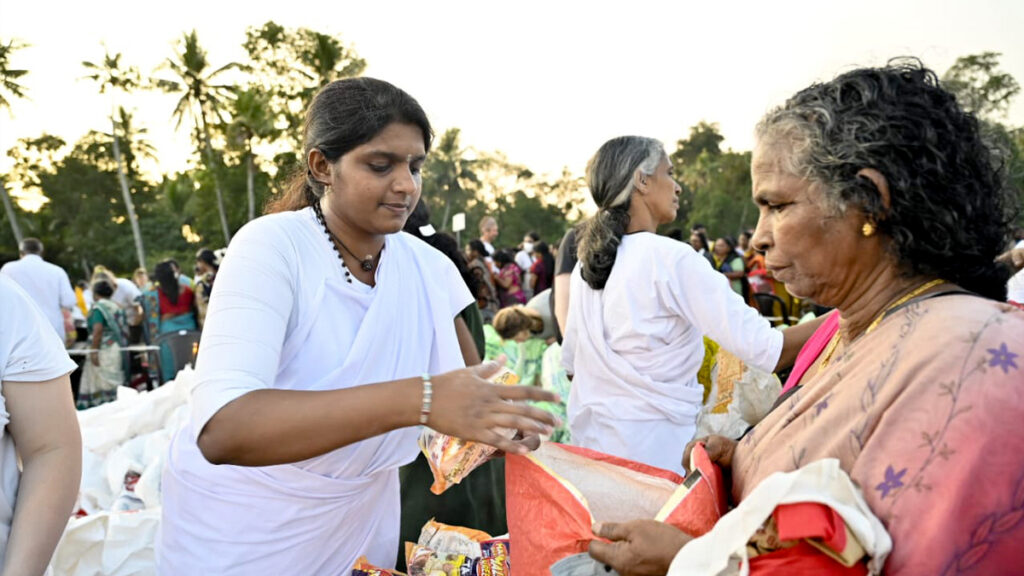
pixel 719 449
pixel 467 406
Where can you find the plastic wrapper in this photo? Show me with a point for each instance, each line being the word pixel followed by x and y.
pixel 740 397
pixel 451 539
pixel 452 459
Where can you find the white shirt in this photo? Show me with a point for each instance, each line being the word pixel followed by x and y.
pixel 635 348
pixel 1015 287
pixel 29 352
pixel 126 296
pixel 524 260
pixel 283 317
pixel 47 284
pixel 488 246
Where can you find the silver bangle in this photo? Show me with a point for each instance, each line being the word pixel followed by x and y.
pixel 428 396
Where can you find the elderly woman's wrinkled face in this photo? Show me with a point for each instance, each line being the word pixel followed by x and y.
pixel 817 255
pixel 662 196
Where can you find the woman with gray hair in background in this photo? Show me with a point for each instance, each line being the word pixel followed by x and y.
pixel 639 306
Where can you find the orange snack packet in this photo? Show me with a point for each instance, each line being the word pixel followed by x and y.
pixel 452 459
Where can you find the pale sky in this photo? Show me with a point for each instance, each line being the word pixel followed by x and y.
pixel 546 82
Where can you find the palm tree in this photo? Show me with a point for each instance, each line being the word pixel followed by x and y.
pixel 202 100
pixel 449 175
pixel 9 85
pixel 137 146
pixel 110 75
pixel 252 119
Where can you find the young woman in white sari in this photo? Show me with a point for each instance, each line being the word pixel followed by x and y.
pixel 639 305
pixel 332 334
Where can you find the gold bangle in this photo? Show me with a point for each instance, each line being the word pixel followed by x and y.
pixel 428 396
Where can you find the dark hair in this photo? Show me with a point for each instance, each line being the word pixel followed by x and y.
pixel 206 255
pixel 166 282
pixel 728 242
pixel 343 115
pixel 31 246
pixel 610 175
pixel 675 234
pixel 532 235
pixel 503 258
pixel 548 261
pixel 442 242
pixel 698 226
pixel 102 288
pixel 477 246
pixel 703 239
pixel 950 208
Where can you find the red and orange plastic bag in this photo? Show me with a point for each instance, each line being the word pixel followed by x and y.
pixel 555 495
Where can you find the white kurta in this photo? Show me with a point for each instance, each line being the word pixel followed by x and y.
pixel 29 352
pixel 635 347
pixel 284 317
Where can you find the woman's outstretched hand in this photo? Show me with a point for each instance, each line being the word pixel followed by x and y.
pixel 639 547
pixel 467 406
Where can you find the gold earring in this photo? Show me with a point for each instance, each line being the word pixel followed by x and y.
pixel 868 229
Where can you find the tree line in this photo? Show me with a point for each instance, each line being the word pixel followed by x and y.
pixel 244 121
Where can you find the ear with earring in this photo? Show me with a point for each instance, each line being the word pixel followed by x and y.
pixel 867 230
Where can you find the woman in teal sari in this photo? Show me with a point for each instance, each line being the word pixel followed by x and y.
pixel 168 307
pixel 105 366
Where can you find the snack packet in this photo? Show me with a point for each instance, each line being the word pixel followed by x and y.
pixel 450 539
pixel 452 459
pixel 423 561
pixel 494 558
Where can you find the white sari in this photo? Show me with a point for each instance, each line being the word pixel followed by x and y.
pixel 284 317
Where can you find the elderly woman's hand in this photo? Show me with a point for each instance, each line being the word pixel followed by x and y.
pixel 719 449
pixel 638 548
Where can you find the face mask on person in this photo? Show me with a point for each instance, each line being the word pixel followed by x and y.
pixel 528 247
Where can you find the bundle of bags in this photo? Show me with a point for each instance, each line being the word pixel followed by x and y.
pixel 443 550
pixel 124 447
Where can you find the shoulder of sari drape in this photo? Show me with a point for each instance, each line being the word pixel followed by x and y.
pixel 917 412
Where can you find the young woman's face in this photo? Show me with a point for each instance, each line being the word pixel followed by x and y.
pixel 375 186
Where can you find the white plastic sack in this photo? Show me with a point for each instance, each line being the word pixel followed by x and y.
pixel 109 544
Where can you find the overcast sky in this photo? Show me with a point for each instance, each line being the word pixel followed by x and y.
pixel 546 82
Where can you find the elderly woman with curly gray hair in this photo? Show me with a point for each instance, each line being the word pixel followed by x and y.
pixel 878 197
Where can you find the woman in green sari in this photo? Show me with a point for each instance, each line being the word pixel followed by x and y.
pixel 104 368
pixel 169 307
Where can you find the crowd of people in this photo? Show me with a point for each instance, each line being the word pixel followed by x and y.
pixel 332 336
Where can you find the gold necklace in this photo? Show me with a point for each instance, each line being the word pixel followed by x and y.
pixel 834 341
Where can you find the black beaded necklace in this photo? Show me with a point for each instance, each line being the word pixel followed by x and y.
pixel 365 263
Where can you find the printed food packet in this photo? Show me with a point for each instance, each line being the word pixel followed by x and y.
pixel 423 561
pixel 364 568
pixel 450 539
pixel 494 558
pixel 452 459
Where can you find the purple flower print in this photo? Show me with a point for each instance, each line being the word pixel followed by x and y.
pixel 1003 358
pixel 893 480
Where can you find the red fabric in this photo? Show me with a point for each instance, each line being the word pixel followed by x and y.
pixel 811 520
pixel 547 522
pixel 813 348
pixel 184 305
pixel 802 560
